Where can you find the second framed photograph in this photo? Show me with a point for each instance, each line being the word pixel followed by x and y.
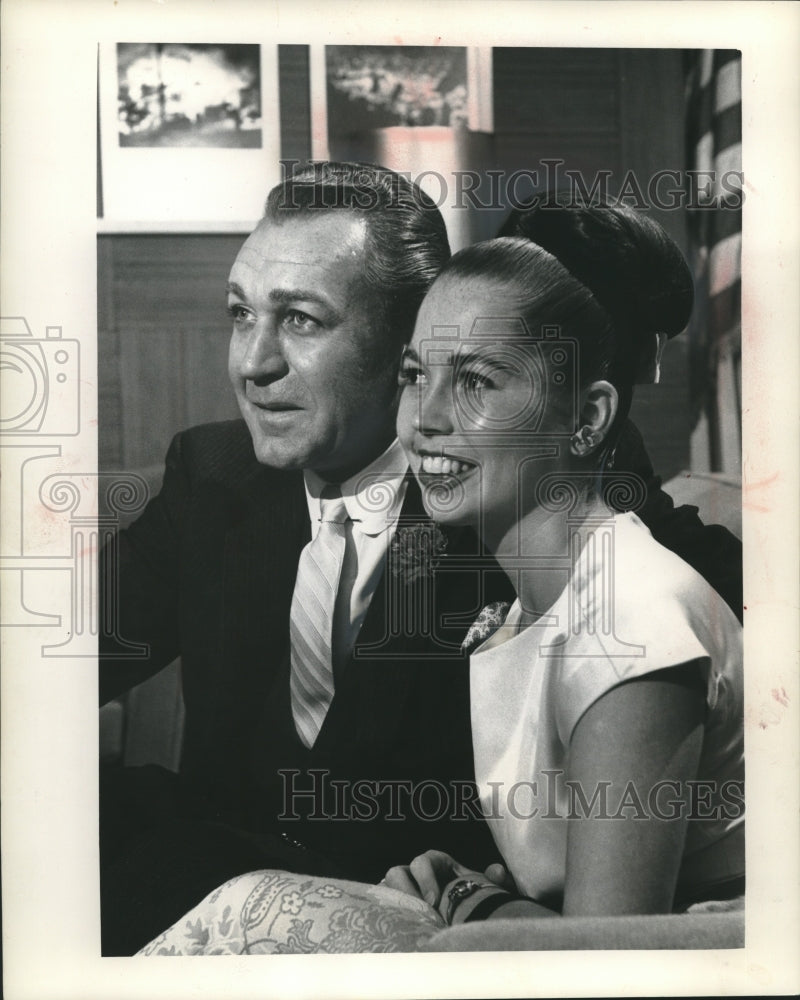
pixel 181 126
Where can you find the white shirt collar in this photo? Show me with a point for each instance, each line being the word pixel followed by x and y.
pixel 373 497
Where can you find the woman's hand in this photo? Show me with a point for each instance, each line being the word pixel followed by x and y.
pixel 501 877
pixel 430 873
pixel 427 876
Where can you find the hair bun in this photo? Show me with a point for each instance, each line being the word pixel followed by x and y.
pixel 628 262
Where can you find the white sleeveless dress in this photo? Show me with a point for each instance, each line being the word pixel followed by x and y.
pixel 631 607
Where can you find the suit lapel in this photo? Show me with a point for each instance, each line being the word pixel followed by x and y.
pixel 402 645
pixel 410 637
pixel 262 550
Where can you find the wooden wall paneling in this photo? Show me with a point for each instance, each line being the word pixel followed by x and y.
pixel 586 153
pixel 652 111
pixel 152 386
pixel 614 110
pixel 172 335
pixel 109 387
pixel 167 278
pixel 661 412
pixel 652 134
pixel 295 102
pixel 560 104
pixel 561 91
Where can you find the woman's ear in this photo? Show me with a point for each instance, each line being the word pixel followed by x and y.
pixel 599 405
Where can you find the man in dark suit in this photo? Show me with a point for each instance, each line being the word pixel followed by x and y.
pixel 328 740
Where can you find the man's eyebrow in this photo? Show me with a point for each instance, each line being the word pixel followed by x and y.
pixel 410 354
pixel 284 295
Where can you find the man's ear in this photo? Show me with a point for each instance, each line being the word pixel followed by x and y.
pixel 599 406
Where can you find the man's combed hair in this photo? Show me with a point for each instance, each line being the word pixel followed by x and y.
pixel 406 242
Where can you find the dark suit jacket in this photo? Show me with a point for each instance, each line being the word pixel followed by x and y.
pixel 208 572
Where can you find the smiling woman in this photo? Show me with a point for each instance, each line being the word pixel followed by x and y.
pixel 616 676
pixel 512 355
pixel 476 404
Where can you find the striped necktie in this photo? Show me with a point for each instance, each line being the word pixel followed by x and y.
pixel 311 618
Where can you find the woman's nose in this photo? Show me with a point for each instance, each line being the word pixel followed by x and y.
pixel 435 412
pixel 262 358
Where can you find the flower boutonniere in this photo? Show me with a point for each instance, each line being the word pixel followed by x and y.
pixel 416 550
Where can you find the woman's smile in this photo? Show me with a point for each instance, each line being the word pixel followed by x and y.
pixel 472 404
pixel 444 465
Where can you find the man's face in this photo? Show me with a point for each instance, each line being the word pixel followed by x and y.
pixel 314 372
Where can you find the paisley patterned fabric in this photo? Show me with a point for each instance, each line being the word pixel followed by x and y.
pixel 278 913
pixel 488 621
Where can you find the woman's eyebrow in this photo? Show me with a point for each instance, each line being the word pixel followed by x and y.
pixel 231 288
pixel 483 358
pixel 445 356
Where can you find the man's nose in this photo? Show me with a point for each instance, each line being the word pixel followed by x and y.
pixel 263 359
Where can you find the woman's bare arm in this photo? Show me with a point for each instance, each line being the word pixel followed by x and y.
pixel 623 855
pixel 639 734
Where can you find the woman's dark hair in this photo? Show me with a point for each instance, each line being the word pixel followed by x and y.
pixel 608 276
pixel 406 243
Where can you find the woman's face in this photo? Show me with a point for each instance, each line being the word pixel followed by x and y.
pixel 487 405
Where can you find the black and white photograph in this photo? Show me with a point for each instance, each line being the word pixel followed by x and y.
pixel 518 475
pixel 377 86
pixel 189 95
pixel 177 120
pixel 393 534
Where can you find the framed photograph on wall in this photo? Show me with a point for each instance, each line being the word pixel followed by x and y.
pixel 184 140
pixel 356 89
pixel 422 109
